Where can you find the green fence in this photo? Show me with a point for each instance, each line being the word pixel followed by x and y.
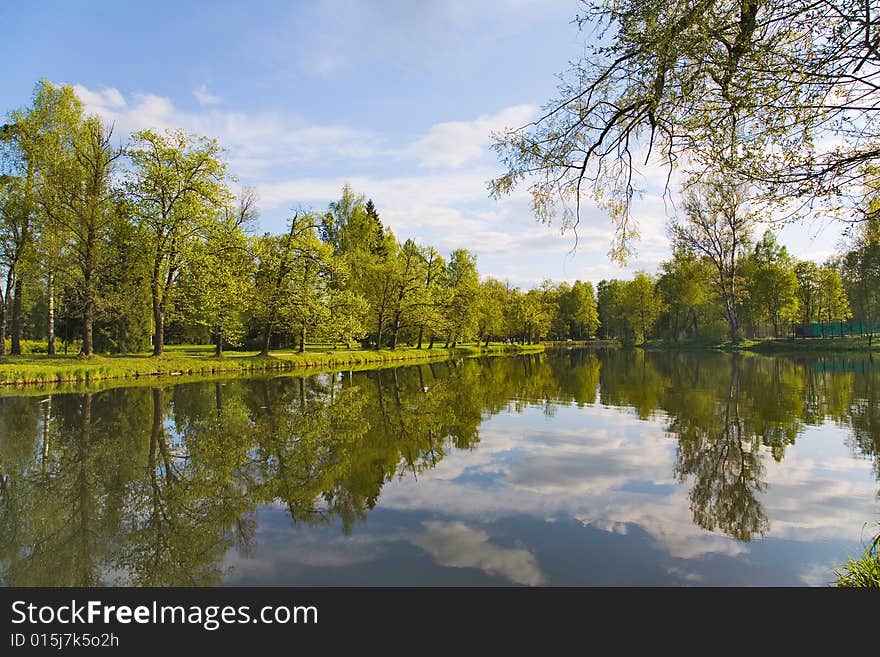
pixel 835 329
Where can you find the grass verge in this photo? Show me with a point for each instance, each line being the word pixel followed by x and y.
pixel 198 361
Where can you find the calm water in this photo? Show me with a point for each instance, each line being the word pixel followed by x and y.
pixel 568 468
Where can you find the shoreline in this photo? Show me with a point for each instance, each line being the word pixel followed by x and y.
pixel 181 364
pixel 776 346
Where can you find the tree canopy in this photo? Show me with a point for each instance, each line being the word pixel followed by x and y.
pixel 782 96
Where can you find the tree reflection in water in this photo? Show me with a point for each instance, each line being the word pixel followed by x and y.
pixel 153 486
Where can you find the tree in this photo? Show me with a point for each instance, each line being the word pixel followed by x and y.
pixel 782 95
pixel 609 300
pixel 861 271
pixel 536 311
pixel 408 297
pixel 771 283
pixel 123 312
pixel 49 132
pixel 15 225
pixel 832 304
pixel 77 196
pixel 19 206
pixel 463 283
pixel 434 295
pixel 176 186
pixel 578 308
pixel 641 305
pixel 685 286
pixel 717 227
pixel 278 258
pixel 217 278
pixel 367 251
pixel 490 312
pixel 807 274
pixel 311 283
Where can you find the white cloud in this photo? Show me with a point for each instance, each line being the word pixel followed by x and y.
pixel 108 97
pixel 257 144
pixel 455 143
pixel 205 97
pixel 455 545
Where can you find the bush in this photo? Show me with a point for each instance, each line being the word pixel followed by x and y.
pixel 39 346
pixel 863 572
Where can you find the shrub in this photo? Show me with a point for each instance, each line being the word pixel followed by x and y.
pixel 863 572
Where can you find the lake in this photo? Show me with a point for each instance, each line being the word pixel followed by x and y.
pixel 573 467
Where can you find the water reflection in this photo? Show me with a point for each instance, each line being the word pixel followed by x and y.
pixel 158 486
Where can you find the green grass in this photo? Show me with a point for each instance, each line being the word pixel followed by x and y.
pixel 863 572
pixel 199 361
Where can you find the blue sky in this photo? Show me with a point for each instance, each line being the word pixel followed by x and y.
pixel 396 97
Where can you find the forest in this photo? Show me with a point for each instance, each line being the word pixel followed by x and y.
pixel 122 248
pixel 117 249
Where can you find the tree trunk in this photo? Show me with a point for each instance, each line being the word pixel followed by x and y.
pixel 421 331
pixel 88 348
pixel 218 346
pixel 487 341
pixel 302 339
pixel 158 319
pixel 3 313
pixel 16 318
pixel 431 345
pixel 50 318
pixel 267 337
pixel 159 333
pixel 396 332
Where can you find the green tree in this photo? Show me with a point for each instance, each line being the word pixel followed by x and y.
pixel 609 304
pixel 490 312
pixel 278 260
pixel 311 285
pixel 685 286
pixel 57 138
pixel 807 274
pixel 217 278
pixel 177 186
pixel 861 272
pixel 463 284
pixel 717 227
pixel 771 284
pixel 832 304
pixel 434 296
pixel 78 196
pixel 409 295
pixel 368 252
pixel 641 305
pixel 582 313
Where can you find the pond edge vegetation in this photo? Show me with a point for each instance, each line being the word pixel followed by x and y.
pixel 52 371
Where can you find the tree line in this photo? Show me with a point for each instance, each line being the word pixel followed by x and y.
pixel 721 282
pixel 120 247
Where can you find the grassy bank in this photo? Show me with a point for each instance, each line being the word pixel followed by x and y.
pixel 194 361
pixel 776 345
